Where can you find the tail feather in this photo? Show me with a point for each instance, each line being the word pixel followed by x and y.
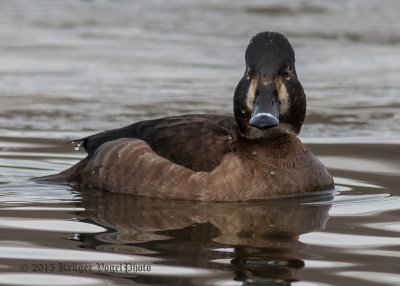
pixel 59 178
pixel 70 175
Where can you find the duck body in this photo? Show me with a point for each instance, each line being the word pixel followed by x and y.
pixel 254 155
pixel 198 157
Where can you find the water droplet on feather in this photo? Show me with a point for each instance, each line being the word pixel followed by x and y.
pixel 77 145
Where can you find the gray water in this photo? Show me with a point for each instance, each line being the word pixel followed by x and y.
pixel 73 68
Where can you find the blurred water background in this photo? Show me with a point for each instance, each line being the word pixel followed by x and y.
pixel 92 65
pixel 72 68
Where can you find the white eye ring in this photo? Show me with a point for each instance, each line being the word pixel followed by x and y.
pixel 287 74
pixel 248 74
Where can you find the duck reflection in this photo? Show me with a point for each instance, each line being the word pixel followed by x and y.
pixel 258 241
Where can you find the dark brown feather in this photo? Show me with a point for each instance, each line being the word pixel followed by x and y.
pixel 195 141
pixel 278 165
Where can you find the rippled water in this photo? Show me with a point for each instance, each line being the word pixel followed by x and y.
pixel 72 68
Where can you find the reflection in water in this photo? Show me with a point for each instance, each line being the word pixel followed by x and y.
pixel 64 63
pixel 257 241
pixel 192 243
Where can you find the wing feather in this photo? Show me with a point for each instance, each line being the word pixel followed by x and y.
pixel 195 141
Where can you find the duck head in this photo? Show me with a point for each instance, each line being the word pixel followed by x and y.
pixel 269 95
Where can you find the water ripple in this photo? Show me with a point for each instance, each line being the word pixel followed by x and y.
pixel 9 251
pixel 49 225
pixel 369 276
pixel 353 241
pixel 31 279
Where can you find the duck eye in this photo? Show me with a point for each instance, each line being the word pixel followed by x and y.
pixel 248 74
pixel 287 75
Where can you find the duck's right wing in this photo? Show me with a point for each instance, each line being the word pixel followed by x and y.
pixel 195 141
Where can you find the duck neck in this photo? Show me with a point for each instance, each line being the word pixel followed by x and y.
pixel 255 134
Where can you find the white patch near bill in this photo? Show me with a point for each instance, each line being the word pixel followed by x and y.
pixel 251 94
pixel 283 96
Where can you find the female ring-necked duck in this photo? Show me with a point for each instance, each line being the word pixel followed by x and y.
pixel 254 155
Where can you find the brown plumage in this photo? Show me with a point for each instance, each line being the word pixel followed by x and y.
pixel 255 155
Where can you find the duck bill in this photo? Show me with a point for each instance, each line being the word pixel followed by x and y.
pixel 265 108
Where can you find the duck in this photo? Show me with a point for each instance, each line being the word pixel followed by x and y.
pixel 253 155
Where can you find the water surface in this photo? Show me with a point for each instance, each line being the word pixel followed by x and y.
pixel 73 68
